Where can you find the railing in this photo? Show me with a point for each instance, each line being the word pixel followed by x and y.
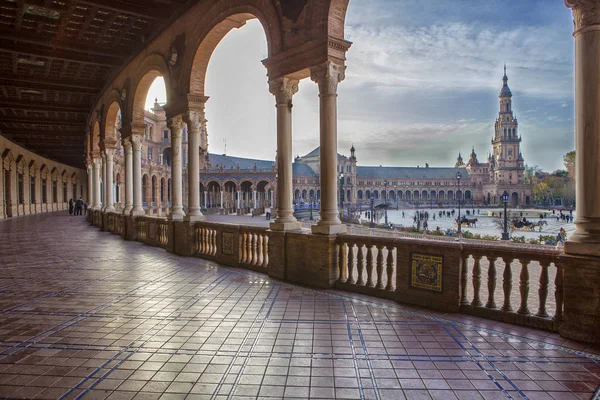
pixel 367 265
pixel 254 246
pixel 206 239
pixel 471 271
pixel 142 225
pixel 527 275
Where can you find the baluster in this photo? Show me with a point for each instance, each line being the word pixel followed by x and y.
pixel 350 269
pixel 249 243
pixel 524 288
pixel 242 247
pixel 543 291
pixel 259 251
pixel 214 232
pixel 491 303
pixel 390 270
pixel 507 287
pixel 265 250
pixel 341 261
pixel 476 282
pixel 370 265
pixel 464 278
pixel 558 292
pixel 379 284
pixel 360 265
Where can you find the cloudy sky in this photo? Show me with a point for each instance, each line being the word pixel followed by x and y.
pixel 422 83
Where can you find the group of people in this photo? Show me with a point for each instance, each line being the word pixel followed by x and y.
pixel 78 207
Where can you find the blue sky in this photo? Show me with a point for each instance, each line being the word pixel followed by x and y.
pixel 422 83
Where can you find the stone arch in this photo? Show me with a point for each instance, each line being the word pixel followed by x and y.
pixel 33 168
pixel 153 66
pixel 359 194
pixel 216 24
pixel 95 140
pixel 514 199
pixel 296 195
pixel 110 116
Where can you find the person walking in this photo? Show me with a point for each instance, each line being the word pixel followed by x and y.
pixel 85 207
pixel 71 206
pixel 78 206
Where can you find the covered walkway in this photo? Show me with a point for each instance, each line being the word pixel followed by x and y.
pixel 84 313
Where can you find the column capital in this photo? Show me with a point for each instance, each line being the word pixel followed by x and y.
pixel 109 153
pixel 126 145
pixel 586 14
pixel 194 120
pixel 175 125
pixel 327 76
pixel 136 142
pixel 283 89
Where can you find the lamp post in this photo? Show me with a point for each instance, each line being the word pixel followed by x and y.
pixel 372 224
pixel 385 184
pixel 505 201
pixel 458 178
pixel 342 195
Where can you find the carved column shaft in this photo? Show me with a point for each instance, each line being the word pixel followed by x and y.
pixel 327 76
pixel 136 144
pixel 586 239
pixel 128 152
pixel 109 154
pixel 194 119
pixel 97 201
pixel 175 124
pixel 284 89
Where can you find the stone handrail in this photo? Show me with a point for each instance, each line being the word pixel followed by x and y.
pixel 383 266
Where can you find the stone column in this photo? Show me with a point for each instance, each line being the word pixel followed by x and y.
pixel 327 76
pixel 104 191
pixel 284 89
pixel 97 164
pixel 136 144
pixel 175 124
pixel 193 119
pixel 128 153
pixel 108 180
pixel 586 239
pixel 205 198
pixel 90 185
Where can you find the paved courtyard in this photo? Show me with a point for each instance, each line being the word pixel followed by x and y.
pixel 86 314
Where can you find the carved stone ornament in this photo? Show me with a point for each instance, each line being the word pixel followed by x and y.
pixel 126 145
pixel 283 89
pixel 193 120
pixel 172 56
pixel 327 76
pixel 291 9
pixel 586 13
pixel 175 125
pixel 136 142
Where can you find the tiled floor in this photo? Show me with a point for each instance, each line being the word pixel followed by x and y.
pixel 86 314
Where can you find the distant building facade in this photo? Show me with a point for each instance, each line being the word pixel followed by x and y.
pixel 233 183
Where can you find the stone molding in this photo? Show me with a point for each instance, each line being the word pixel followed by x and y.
pixel 327 76
pixel 283 89
pixel 586 14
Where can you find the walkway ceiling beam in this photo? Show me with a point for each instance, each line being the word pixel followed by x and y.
pixel 52 54
pixel 49 84
pixel 49 107
pixel 33 121
pixel 56 44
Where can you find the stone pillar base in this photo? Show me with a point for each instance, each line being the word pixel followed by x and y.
pixel 285 226
pixel 310 259
pixel 581 248
pixel 581 296
pixel 135 213
pixel 129 231
pixel 194 218
pixel 180 238
pixel 328 229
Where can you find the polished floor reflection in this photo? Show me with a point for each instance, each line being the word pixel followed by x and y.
pixel 85 314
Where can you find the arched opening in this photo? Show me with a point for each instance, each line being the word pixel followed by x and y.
pixel 261 194
pixel 246 189
pixel 153 192
pixel 360 194
pixel 162 190
pixel 376 194
pixel 145 189
pixel 166 156
pixel 296 195
pixel 214 194
pixel 230 195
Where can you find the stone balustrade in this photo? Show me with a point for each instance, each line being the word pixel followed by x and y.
pixel 518 284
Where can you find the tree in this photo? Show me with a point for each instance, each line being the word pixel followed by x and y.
pixel 569 160
pixel 531 173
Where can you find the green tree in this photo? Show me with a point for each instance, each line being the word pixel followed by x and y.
pixel 569 160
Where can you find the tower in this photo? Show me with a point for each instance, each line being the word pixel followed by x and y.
pixel 508 162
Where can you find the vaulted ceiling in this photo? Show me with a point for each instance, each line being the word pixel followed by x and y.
pixel 55 58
